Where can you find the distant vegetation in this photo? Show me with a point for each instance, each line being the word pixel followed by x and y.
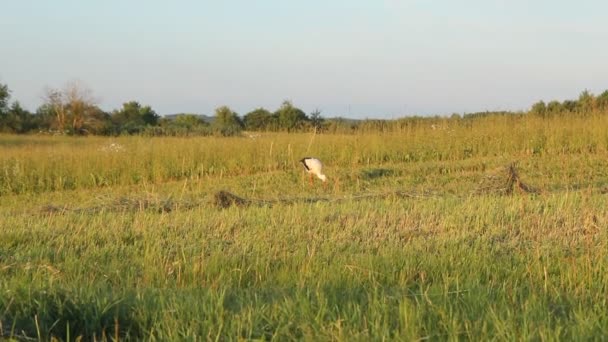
pixel 73 111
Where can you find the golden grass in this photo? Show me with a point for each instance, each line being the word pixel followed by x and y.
pixel 417 235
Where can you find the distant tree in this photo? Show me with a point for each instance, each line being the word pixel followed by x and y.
pixel 259 119
pixel 316 120
pixel 57 105
pixel 74 108
pixel 79 101
pixel 17 120
pixel 133 118
pixel 5 95
pixel 14 118
pixel 290 118
pixel 182 125
pixel 99 122
pixel 539 108
pixel 44 117
pixel 602 101
pixel 554 108
pixel 586 102
pixel 227 122
pixel 570 106
pixel 149 116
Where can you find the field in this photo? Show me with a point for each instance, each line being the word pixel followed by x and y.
pixel 415 237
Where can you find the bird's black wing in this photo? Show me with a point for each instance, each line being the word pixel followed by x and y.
pixel 303 161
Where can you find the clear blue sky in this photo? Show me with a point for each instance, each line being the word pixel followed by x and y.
pixel 375 58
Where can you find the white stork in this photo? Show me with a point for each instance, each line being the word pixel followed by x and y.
pixel 314 167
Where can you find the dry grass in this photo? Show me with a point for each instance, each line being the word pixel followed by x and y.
pixel 420 234
pixel 504 181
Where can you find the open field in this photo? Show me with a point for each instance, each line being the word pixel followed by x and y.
pixel 108 238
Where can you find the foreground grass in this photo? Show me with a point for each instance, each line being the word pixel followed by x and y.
pixel 455 265
pixel 61 163
pixel 514 268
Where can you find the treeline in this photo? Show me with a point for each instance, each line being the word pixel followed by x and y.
pixel 586 104
pixel 73 111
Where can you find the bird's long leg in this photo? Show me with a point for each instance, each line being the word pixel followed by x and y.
pixel 310 178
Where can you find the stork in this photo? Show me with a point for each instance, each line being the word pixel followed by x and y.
pixel 314 167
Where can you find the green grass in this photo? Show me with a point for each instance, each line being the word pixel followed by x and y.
pixel 134 247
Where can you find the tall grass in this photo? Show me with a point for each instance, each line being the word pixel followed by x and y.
pixel 454 266
pixel 61 163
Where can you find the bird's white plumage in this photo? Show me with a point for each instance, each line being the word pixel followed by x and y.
pixel 314 166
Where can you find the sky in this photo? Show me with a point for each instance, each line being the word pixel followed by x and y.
pixel 358 59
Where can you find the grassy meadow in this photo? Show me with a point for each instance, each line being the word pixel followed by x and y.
pixel 120 238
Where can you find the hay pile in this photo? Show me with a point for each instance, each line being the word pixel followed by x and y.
pixel 504 181
pixel 144 202
pixel 224 199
